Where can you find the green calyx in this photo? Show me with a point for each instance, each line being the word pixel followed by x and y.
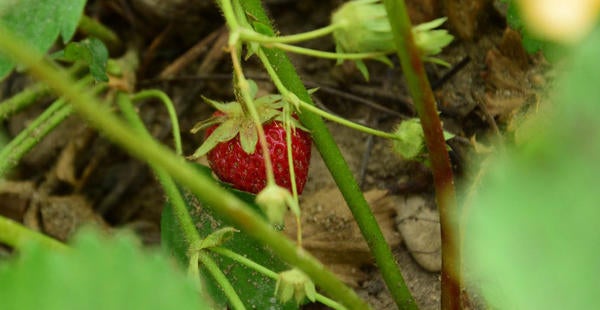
pixel 294 284
pixel 410 141
pixel 363 27
pixel 233 120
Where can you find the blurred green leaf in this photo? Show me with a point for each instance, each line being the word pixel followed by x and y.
pixel 532 241
pixel 39 23
pixel 97 274
pixel 90 51
pixel 255 290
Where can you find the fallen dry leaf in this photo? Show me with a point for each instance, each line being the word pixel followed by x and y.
pixel 331 234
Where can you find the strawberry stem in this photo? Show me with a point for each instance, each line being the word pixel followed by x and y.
pixel 424 101
pixel 292 98
pixel 247 101
pixel 17 236
pixel 249 34
pixel 326 55
pixel 159 94
pixel 269 273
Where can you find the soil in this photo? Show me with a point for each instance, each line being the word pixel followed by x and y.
pixel 74 176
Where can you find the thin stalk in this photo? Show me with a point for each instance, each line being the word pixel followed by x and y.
pixel 323 54
pixel 159 94
pixel 29 96
pixel 22 100
pixel 19 146
pixel 338 168
pixel 12 153
pixel 251 35
pixel 219 276
pixel 312 108
pixel 425 106
pixel 16 235
pixel 269 273
pixel 181 214
pixel 248 103
pixel 212 195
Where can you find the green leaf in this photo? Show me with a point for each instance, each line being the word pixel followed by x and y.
pixel 38 23
pixel 532 240
pixel 90 51
pixel 224 132
pixel 255 290
pixel 248 136
pixel 97 274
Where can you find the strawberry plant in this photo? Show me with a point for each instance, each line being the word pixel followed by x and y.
pixel 225 230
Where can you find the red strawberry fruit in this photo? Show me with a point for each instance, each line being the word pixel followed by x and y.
pixel 232 145
pixel 247 172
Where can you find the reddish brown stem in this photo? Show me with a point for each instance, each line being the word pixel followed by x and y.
pixel 425 106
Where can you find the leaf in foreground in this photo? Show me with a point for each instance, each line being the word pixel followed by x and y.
pixel 97 274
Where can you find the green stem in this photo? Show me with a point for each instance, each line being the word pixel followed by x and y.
pixel 12 153
pixel 269 273
pixel 247 102
pixel 312 108
pixel 22 100
pixel 251 35
pixel 322 54
pixel 159 94
pixel 29 96
pixel 220 278
pixel 339 169
pixel 425 106
pixel 212 195
pixel 91 27
pixel 17 236
pixel 20 145
pixel 181 214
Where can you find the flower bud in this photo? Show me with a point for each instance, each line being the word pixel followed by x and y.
pixel 273 200
pixel 363 27
pixel 294 284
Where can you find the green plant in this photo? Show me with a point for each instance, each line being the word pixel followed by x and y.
pixel 291 272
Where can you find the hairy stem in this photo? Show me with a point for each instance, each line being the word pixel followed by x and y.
pixel 251 35
pixel 22 100
pixel 425 105
pixel 269 273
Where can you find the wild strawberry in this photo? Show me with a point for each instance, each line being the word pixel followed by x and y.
pixel 231 145
pixel 247 171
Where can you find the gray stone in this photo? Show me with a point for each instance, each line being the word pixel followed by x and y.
pixel 419 225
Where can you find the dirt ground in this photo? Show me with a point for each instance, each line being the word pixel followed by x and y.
pixel 74 176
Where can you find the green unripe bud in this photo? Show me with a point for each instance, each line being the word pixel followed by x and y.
pixel 363 27
pixel 294 284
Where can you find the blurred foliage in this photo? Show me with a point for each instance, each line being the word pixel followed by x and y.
pixel 91 52
pixel 531 238
pixel 39 23
pixel 97 274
